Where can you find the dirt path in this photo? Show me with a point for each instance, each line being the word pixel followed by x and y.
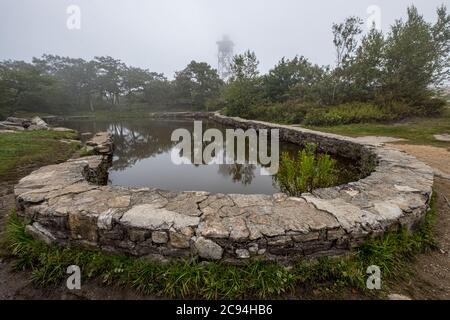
pixel 431 271
pixel 437 158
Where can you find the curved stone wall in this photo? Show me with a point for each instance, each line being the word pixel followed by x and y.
pixel 67 204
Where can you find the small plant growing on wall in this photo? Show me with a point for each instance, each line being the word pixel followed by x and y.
pixel 308 171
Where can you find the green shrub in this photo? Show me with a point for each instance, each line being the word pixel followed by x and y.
pixel 291 111
pixel 357 112
pixel 430 107
pixel 309 171
pixel 296 111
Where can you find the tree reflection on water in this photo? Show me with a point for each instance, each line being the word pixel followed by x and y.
pixel 137 141
pixel 142 158
pixel 243 173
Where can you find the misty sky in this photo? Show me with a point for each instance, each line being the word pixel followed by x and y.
pixel 165 35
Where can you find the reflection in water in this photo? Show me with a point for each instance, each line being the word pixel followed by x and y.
pixel 134 143
pixel 243 173
pixel 142 158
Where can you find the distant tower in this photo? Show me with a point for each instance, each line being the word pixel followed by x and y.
pixel 224 56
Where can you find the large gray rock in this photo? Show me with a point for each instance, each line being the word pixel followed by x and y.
pixel 4 125
pixel 37 121
pixel 18 124
pixel 159 237
pixel 179 240
pixel 242 253
pixel 442 137
pixel 208 249
pixel 153 217
pixel 38 232
pixel 101 143
pixel 19 121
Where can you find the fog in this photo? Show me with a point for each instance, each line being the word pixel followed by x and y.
pixel 164 36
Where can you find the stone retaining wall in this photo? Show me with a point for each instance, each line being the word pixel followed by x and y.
pixel 197 115
pixel 66 207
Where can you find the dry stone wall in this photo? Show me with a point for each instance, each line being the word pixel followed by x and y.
pixel 68 204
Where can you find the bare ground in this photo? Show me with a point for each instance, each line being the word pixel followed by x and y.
pixel 437 158
pixel 431 271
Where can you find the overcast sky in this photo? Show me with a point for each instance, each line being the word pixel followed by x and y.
pixel 165 35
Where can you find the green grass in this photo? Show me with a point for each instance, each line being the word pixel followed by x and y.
pixel 85 152
pixel 194 279
pixel 416 131
pixel 119 112
pixel 352 113
pixel 22 149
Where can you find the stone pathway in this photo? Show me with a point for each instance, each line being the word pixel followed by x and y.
pixel 377 140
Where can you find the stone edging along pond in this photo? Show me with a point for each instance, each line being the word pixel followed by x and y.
pixel 69 203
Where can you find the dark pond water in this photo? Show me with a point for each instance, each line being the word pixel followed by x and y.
pixel 142 157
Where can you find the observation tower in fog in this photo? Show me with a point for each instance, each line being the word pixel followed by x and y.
pixel 224 57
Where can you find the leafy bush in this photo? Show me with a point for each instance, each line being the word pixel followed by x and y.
pixel 430 107
pixel 291 111
pixel 296 111
pixel 355 113
pixel 309 171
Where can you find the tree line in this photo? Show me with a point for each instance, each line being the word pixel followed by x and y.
pixel 58 85
pixel 376 74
